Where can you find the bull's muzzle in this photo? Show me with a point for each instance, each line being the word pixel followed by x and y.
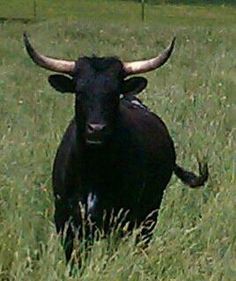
pixel 95 133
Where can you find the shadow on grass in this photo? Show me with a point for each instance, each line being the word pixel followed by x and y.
pixel 19 20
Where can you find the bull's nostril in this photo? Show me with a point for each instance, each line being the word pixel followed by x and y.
pixel 101 127
pixel 90 128
pixel 93 128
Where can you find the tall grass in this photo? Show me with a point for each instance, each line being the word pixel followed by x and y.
pixel 193 94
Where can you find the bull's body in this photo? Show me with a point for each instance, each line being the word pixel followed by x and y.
pixel 116 157
pixel 130 173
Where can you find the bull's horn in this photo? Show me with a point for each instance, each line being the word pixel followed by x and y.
pixel 137 67
pixel 57 65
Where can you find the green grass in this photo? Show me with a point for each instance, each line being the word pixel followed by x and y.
pixel 194 94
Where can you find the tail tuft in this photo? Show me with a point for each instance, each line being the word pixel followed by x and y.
pixel 190 178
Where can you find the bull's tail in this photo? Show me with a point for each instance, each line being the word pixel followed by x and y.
pixel 190 178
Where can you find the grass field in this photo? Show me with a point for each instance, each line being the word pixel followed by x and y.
pixel 194 94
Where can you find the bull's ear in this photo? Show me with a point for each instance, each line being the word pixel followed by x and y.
pixel 134 85
pixel 61 83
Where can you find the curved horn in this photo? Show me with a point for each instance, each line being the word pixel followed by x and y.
pixel 143 66
pixel 56 65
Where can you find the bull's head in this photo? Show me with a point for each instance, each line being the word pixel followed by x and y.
pixel 97 84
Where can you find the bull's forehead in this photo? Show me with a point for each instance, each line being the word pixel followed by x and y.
pixel 98 83
pixel 98 74
pixel 99 65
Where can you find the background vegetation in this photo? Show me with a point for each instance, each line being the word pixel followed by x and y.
pixel 188 2
pixel 194 94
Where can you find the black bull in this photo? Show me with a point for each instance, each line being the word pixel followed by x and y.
pixel 115 154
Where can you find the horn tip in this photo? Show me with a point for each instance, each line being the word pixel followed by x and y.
pixel 173 41
pixel 171 46
pixel 26 39
pixel 25 35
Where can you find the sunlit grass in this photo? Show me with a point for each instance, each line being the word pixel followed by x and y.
pixel 193 94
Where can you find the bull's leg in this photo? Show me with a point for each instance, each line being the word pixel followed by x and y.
pixel 64 228
pixel 71 225
pixel 68 243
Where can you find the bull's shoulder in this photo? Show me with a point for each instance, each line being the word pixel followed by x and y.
pixel 65 157
pixel 143 125
pixel 70 133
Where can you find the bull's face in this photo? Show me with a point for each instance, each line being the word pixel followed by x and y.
pixel 98 87
pixel 97 84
